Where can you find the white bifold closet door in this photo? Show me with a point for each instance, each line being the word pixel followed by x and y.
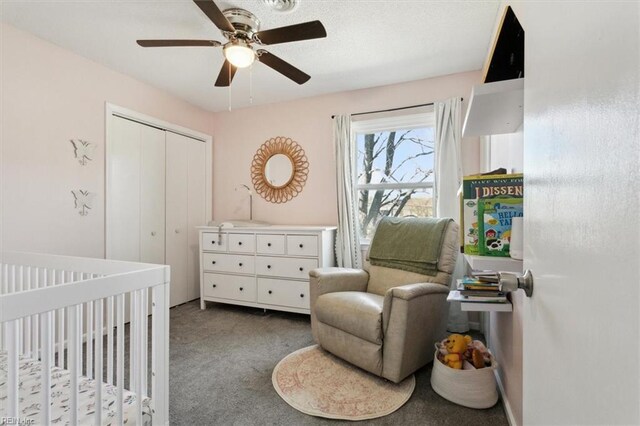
pixel 185 210
pixel 155 199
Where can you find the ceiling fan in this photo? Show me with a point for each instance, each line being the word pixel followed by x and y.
pixel 242 30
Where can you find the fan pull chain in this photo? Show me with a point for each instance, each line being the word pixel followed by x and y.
pixel 251 85
pixel 229 70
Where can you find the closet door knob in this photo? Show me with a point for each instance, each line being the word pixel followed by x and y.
pixel 153 233
pixel 270 292
pixel 268 244
pixel 301 245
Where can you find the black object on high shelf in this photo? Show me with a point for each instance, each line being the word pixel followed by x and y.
pixel 507 60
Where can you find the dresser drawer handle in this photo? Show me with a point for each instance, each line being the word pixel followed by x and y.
pixel 240 264
pixel 239 243
pixel 268 266
pixel 301 269
pixel 213 262
pixel 268 244
pixel 214 286
pixel 301 295
pixel 213 242
pixel 241 289
pixel 301 245
pixel 270 292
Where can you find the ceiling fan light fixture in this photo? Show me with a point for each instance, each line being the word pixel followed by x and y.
pixel 239 54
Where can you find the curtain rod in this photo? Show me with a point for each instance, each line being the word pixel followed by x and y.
pixel 393 109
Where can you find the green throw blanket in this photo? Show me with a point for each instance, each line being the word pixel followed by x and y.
pixel 410 244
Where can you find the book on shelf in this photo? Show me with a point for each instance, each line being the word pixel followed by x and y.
pixel 470 283
pixel 482 293
pixel 456 296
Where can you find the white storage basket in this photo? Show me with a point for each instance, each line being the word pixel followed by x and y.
pixel 470 388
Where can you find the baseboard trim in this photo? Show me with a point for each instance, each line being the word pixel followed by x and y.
pixel 474 325
pixel 505 402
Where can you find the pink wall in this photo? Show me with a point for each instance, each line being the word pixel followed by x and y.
pixel 48 96
pixel 237 135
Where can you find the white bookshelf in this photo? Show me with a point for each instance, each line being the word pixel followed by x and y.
pixel 500 264
pixel 465 305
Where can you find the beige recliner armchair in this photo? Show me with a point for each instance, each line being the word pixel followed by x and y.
pixel 383 320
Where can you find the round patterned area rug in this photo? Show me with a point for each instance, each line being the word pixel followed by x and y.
pixel 315 382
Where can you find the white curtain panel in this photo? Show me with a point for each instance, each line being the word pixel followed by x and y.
pixel 448 178
pixel 347 237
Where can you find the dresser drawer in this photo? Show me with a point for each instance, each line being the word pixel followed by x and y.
pixel 302 245
pixel 283 293
pixel 242 243
pixel 285 267
pixel 212 241
pixel 232 287
pixel 220 262
pixel 270 244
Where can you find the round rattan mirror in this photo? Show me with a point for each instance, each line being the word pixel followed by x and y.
pixel 279 169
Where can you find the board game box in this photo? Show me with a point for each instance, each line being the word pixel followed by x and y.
pixel 479 187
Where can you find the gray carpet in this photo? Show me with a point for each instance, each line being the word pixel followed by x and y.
pixel 221 364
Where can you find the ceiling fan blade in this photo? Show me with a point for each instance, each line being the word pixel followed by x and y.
pixel 282 67
pixel 226 74
pixel 215 14
pixel 298 32
pixel 178 43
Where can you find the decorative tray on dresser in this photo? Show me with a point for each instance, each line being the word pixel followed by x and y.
pixel 263 266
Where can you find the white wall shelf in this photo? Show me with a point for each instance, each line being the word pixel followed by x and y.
pixel 505 264
pixel 495 108
pixel 479 306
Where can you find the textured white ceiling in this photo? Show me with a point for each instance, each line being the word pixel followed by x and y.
pixel 369 43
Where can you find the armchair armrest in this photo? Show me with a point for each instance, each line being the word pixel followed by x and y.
pixel 329 280
pixel 413 317
pixel 411 291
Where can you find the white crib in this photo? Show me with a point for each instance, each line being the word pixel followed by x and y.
pixel 65 316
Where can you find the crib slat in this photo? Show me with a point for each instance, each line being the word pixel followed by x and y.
pixel 25 284
pixel 74 359
pixel 110 340
pixel 98 361
pixel 138 355
pixel 19 283
pixel 35 319
pixel 89 328
pixel 133 338
pixel 120 358
pixel 58 278
pixel 160 354
pixel 145 341
pixel 12 331
pixel 46 341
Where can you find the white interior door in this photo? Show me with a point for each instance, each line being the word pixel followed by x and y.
pixel 177 198
pixel 582 229
pixel 123 192
pixel 152 195
pixel 196 211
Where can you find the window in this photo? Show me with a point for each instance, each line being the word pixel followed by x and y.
pixel 395 169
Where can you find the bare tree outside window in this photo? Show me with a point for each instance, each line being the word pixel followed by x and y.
pixel 395 175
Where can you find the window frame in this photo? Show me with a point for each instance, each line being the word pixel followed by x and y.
pixel 385 124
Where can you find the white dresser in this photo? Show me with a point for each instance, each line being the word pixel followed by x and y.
pixel 265 267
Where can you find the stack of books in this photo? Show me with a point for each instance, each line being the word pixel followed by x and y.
pixel 481 287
